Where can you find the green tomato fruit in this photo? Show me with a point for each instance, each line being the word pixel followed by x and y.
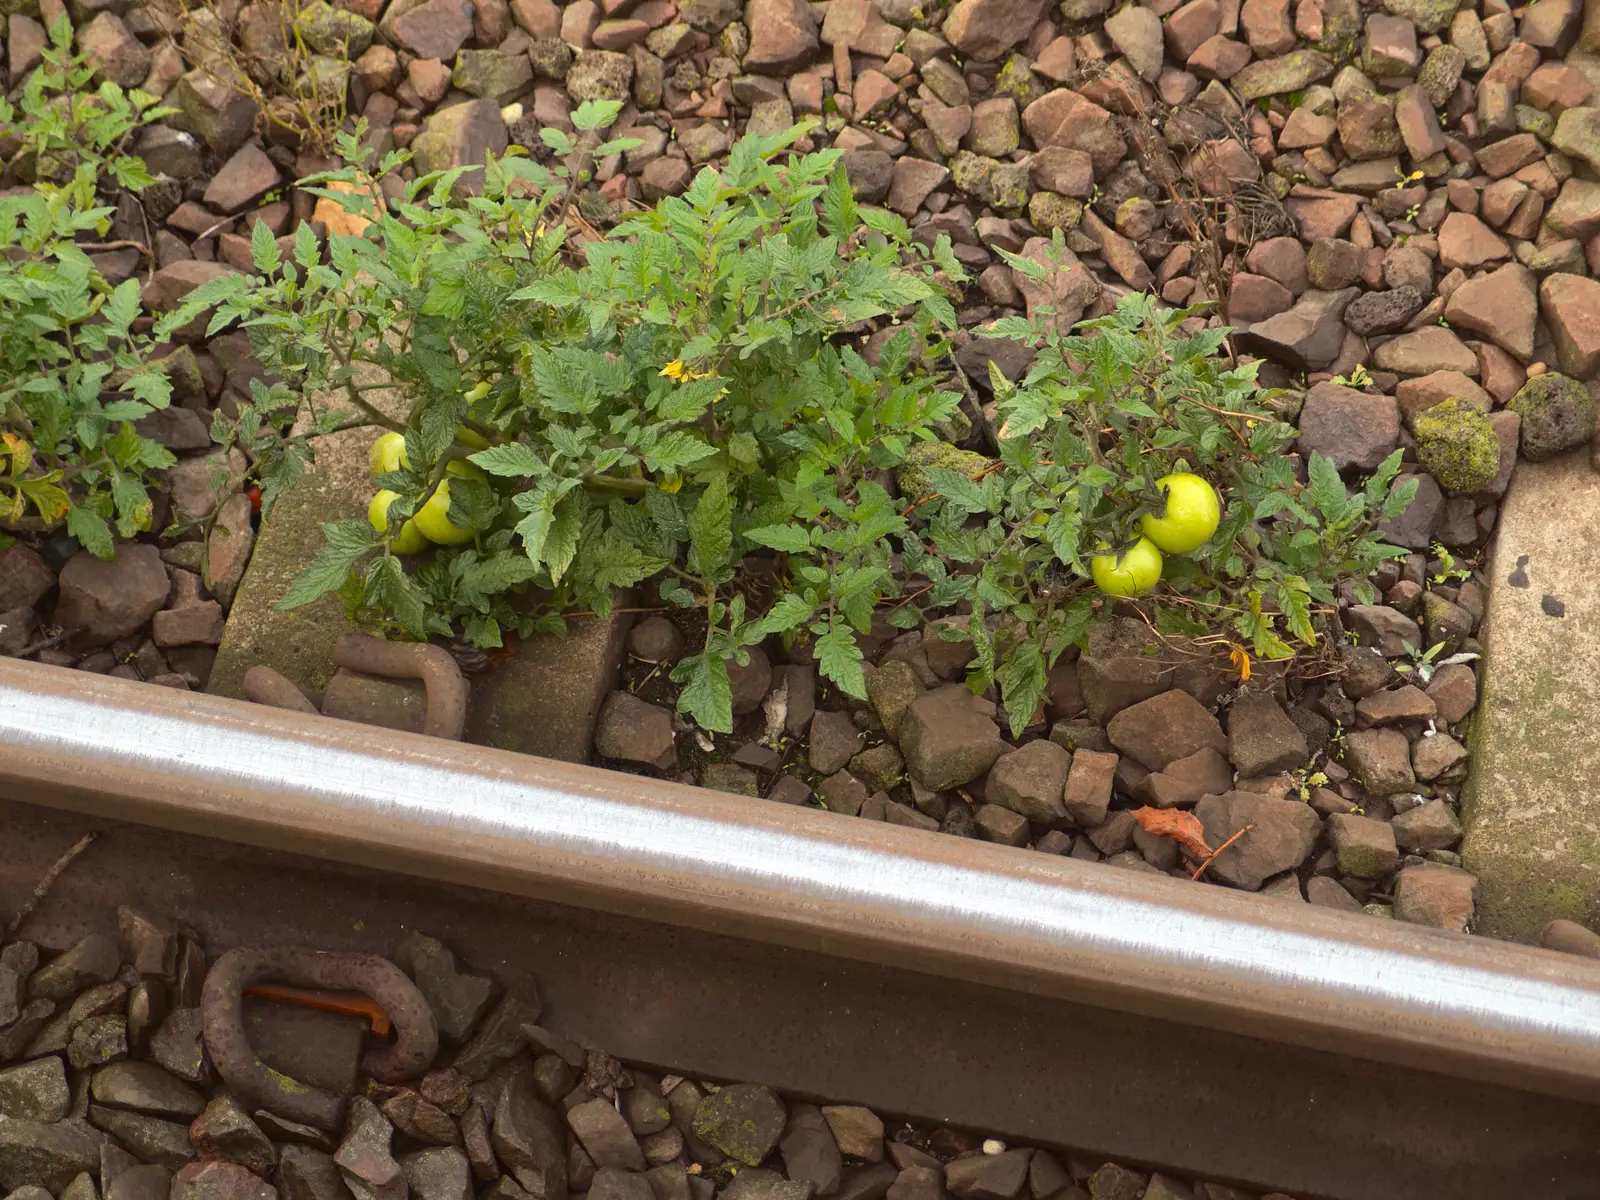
pixel 1133 574
pixel 410 539
pixel 434 517
pixel 1193 513
pixel 388 453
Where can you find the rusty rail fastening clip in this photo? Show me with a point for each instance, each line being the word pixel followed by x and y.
pixel 447 688
pixel 258 1085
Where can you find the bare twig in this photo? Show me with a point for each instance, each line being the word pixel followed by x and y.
pixel 1202 869
pixel 49 642
pixel 42 888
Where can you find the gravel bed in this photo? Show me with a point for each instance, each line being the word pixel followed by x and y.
pixel 107 1090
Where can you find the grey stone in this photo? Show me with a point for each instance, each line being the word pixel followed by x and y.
pixel 458 999
pixel 1285 833
pixel 1030 781
pixel 364 1157
pixel 440 1173
pixel 500 1037
pixel 528 1137
pixel 35 1090
pixel 43 1155
pixel 1262 740
pixel 177 1045
pixel 150 1139
pixel 146 1088
pixel 949 738
pixel 988 1176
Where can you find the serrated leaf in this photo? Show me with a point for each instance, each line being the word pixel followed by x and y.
pixel 1022 678
pixel 839 213
pixel 675 449
pixel 839 659
pixel 347 541
pixel 792 539
pixel 264 252
pixel 788 613
pixel 514 460
pixel 92 532
pixel 707 693
pixel 711 527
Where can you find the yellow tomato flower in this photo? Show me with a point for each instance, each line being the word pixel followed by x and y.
pixel 676 371
pixel 1240 657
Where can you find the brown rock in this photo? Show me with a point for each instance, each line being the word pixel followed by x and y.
pixel 1419 124
pixel 1426 350
pixel 1440 896
pixel 1501 306
pixel 109 600
pixel 986 29
pixel 1356 430
pixel 949 738
pixel 1087 796
pixel 429 28
pixel 1165 728
pixel 1064 118
pixel 1030 781
pixel 1423 392
pixel 116 55
pixel 1466 242
pixel 243 180
pixel 783 36
pixel 1571 307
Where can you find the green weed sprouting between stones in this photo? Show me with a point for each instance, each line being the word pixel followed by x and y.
pixel 74 373
pixel 692 397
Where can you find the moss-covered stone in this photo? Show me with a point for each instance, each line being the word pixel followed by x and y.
pixel 1457 445
pixel 1557 414
pixel 970 172
pixel 1279 76
pixel 491 74
pixel 1535 121
pixel 912 476
pixel 1429 16
pixel 1441 73
pixel 1017 80
pixel 335 31
pixel 1009 186
pixel 743 1121
pixel 1049 211
pixel 729 777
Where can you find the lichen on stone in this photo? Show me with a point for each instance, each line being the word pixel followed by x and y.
pixel 1458 446
pixel 1049 212
pixel 1557 414
pixel 912 475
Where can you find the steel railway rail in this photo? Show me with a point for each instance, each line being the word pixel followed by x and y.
pixel 1037 997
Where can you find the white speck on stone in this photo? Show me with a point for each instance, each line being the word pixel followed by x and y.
pixel 994 1146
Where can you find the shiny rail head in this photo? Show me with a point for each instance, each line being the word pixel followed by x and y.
pixel 944 905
